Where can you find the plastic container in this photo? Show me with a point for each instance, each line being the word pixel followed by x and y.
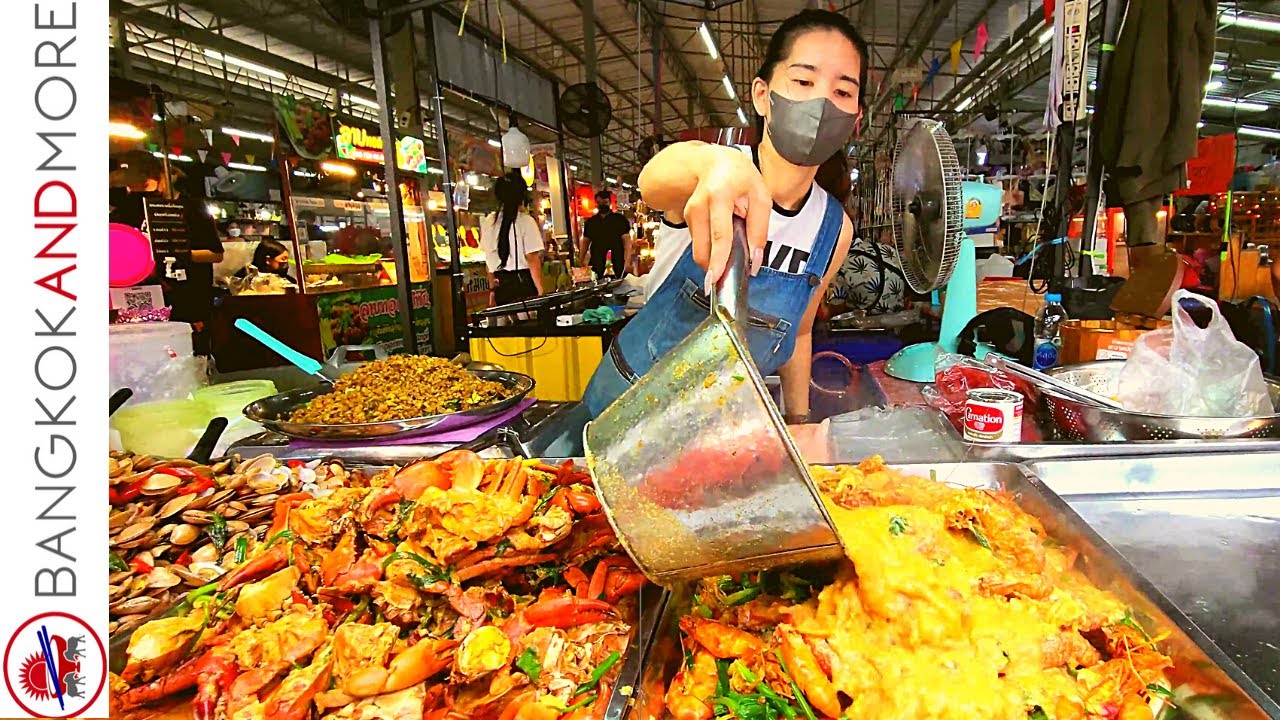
pixel 228 400
pixel 165 429
pixel 154 360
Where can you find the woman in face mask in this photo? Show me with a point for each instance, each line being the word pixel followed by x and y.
pixel 808 94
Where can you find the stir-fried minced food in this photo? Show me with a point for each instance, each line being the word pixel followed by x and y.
pixel 953 603
pixel 399 388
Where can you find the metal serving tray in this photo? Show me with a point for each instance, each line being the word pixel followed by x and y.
pixel 1205 529
pixel 1197 657
pixel 273 413
pixel 652 600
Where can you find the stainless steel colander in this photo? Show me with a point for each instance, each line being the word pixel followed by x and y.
pixel 1083 422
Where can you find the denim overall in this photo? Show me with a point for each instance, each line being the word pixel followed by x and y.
pixel 778 301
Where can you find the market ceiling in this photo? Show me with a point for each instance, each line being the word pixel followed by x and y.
pixel 309 53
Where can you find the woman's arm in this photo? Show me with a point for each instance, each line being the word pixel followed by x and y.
pixel 535 269
pixel 705 186
pixel 798 370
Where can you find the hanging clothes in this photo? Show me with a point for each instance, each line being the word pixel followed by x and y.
pixel 1147 130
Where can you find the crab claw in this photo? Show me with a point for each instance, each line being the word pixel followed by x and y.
pixel 415 478
pixel 275 558
pixel 215 672
pixel 567 611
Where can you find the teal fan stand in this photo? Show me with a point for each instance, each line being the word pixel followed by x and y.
pixel 932 208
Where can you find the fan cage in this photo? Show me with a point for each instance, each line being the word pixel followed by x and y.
pixel 952 227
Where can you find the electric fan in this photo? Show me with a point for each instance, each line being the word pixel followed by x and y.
pixel 931 210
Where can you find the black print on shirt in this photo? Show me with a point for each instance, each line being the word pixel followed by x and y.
pixel 776 261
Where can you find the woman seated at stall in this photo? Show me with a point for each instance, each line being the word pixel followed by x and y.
pixel 270 256
pixel 512 243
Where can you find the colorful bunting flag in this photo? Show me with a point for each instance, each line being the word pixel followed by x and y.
pixel 249 158
pixel 980 42
pixel 202 153
pixel 177 150
pixel 1048 11
pixel 934 66
pixel 208 136
pixel 955 55
pixel 236 139
pixel 899 102
pixel 226 158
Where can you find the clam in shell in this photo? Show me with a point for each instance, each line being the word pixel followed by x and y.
pixel 184 534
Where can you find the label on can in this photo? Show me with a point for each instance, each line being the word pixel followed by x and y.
pixel 993 416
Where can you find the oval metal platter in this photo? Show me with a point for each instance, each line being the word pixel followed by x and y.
pixel 273 413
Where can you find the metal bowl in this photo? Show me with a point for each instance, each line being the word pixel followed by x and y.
pixel 273 413
pixel 1083 422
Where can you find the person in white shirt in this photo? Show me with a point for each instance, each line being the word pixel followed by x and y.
pixel 512 243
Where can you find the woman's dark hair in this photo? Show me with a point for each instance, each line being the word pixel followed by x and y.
pixel 268 249
pixel 512 193
pixel 779 48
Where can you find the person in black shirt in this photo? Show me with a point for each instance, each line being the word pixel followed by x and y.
pixel 607 234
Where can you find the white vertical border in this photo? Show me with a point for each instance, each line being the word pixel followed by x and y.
pixel 35 362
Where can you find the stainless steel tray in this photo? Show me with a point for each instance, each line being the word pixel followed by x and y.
pixel 273 412
pixel 1204 529
pixel 1191 649
pixel 1029 452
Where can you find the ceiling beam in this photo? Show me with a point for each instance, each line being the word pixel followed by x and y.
pixel 687 77
pixel 930 18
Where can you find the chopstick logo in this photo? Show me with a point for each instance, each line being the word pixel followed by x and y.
pixel 55 666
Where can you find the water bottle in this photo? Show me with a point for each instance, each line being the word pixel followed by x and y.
pixel 1048 327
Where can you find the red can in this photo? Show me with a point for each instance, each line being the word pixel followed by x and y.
pixel 993 416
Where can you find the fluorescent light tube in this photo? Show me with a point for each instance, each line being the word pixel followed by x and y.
pixel 706 40
pixel 728 86
pixel 235 132
pixel 237 62
pixel 1235 104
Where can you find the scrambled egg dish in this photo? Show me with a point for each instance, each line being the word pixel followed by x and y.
pixel 956 604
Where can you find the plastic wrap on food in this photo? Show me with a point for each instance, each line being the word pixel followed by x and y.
pixel 957 374
pixel 900 435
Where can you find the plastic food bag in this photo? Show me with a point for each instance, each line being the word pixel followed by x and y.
pixel 958 374
pixel 1188 371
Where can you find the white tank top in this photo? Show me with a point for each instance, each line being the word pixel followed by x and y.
pixel 791 237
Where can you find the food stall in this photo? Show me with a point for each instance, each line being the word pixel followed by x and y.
pixel 341 248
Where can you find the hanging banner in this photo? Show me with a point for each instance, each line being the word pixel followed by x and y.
pixel 307 124
pixel 353 143
pixel 1210 171
pixel 955 56
pixel 371 316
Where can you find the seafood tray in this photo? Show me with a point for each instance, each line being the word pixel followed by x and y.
pixel 1199 663
pixel 650 600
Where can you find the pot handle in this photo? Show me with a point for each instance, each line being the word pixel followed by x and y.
pixel 730 292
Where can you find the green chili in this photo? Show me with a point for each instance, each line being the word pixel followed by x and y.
pixel 117 564
pixel 598 673
pixel 242 548
pixel 529 664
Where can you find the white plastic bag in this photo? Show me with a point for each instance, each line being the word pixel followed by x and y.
pixel 1187 371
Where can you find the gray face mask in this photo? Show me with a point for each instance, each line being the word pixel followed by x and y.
pixel 807 132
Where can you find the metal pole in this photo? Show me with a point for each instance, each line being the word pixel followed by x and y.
pixel 655 46
pixel 159 96
pixel 459 301
pixel 1111 12
pixel 382 83
pixel 589 43
pixel 571 227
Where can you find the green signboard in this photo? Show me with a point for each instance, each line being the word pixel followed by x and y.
pixel 371 316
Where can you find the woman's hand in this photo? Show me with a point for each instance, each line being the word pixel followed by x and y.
pixel 706 185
